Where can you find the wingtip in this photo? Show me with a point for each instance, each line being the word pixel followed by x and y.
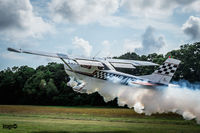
pixel 14 50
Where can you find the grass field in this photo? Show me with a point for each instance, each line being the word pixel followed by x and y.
pixel 42 119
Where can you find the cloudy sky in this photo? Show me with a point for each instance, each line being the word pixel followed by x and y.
pixel 88 27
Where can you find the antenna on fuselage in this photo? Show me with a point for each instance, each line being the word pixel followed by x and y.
pixel 96 54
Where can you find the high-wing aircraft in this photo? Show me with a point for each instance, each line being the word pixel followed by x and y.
pixel 103 69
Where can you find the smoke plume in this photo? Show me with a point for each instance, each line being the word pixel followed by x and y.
pixel 180 97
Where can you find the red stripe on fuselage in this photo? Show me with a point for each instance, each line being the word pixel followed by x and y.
pixel 144 83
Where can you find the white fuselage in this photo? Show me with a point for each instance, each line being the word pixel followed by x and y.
pixel 90 76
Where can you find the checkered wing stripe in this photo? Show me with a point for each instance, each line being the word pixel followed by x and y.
pixel 101 75
pixel 167 69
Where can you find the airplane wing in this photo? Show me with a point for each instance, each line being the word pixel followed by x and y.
pixel 117 63
pixel 55 55
pixel 131 62
pixel 80 61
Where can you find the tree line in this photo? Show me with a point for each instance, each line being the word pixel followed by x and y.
pixel 47 85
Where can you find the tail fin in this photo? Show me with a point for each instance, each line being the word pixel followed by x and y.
pixel 165 72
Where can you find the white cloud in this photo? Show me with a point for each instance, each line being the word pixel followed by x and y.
pixel 106 49
pixel 131 45
pixel 105 11
pixel 82 11
pixel 143 8
pixel 192 7
pixel 106 43
pixel 17 20
pixel 192 28
pixel 159 9
pixel 150 42
pixel 82 45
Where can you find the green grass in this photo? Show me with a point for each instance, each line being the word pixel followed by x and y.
pixel 39 119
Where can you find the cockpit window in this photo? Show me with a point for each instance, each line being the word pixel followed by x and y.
pixel 85 66
pixel 105 67
pixel 100 68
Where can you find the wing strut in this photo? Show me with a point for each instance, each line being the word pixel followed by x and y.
pixel 67 64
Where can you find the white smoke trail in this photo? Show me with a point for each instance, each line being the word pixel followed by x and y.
pixel 177 98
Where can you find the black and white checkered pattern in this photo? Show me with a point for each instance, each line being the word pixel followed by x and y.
pixel 101 75
pixel 166 69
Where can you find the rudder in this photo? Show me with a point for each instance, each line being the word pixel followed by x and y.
pixel 165 72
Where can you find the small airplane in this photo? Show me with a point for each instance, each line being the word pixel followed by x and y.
pixel 103 70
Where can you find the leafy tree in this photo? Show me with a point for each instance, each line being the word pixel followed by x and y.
pixel 7 87
pixel 190 65
pixel 51 89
